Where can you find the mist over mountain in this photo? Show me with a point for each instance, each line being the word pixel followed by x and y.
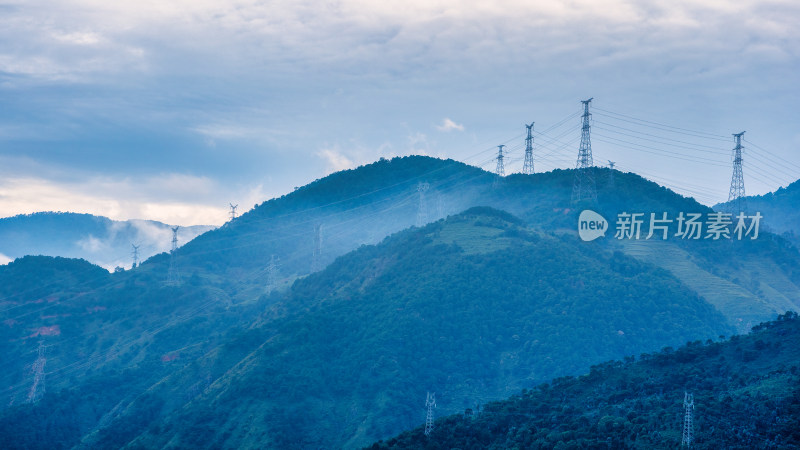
pixel 749 281
pixel 304 326
pixel 779 209
pixel 99 240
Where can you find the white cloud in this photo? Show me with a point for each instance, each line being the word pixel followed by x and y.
pixel 98 36
pixel 79 38
pixel 232 73
pixel 4 259
pixel 335 159
pixel 173 198
pixel 92 244
pixel 418 144
pixel 449 125
pixel 112 249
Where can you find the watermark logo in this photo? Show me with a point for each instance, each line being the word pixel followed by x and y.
pixel 689 226
pixel 591 225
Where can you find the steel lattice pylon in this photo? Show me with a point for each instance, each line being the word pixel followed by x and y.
pixel 430 403
pixel 173 277
pixel 584 187
pixel 736 196
pixel 688 427
pixel 527 166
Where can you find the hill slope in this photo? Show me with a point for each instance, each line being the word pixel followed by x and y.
pixel 475 308
pixel 107 337
pixel 363 205
pixel 126 352
pixel 746 395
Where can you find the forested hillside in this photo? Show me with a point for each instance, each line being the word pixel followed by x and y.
pixel 363 205
pixel 106 338
pixel 475 308
pixel 746 393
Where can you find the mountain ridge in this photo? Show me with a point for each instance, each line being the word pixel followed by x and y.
pixel 202 337
pixel 97 239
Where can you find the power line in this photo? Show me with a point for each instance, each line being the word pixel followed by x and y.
pixel 774 161
pixel 672 144
pixel 656 151
pixel 686 157
pixel 668 127
pixel 669 141
pixel 698 191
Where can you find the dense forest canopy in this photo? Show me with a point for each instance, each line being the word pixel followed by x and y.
pixel 746 392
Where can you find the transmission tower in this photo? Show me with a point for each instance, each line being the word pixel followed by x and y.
pixel 315 261
pixel 736 196
pixel 272 274
pixel 611 165
pixel 135 254
pixel 527 166
pixel 430 403
pixel 439 206
pixel 172 274
pixel 584 187
pixel 233 211
pixel 38 387
pixel 500 170
pixel 422 208
pixel 688 428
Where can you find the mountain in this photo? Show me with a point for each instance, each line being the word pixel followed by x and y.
pixel 102 339
pixel 475 307
pixel 100 240
pixel 746 394
pixel 779 209
pixel 749 282
pixel 256 320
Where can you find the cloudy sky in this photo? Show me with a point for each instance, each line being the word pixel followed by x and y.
pixel 171 109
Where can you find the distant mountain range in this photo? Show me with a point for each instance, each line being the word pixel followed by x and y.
pixel 302 325
pixel 99 240
pixel 780 210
